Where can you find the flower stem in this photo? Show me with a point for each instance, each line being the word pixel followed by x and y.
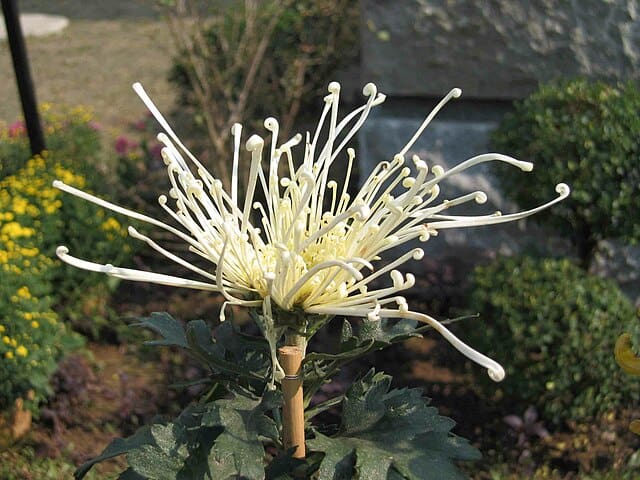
pixel 296 340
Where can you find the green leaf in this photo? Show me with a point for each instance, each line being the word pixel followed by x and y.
pixel 118 446
pixel 384 334
pixel 168 457
pixel 129 474
pixel 339 457
pixel 369 336
pixel 153 463
pixel 285 467
pixel 238 450
pixel 390 434
pixel 164 324
pixel 201 343
pixel 166 438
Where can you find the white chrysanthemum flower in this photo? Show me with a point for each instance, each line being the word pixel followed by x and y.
pixel 310 246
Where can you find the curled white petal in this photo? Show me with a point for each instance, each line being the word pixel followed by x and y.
pixel 129 274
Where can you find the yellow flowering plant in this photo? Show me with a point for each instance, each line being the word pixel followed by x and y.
pixel 297 249
pixel 32 207
pixel 33 220
pixel 72 131
pixel 32 339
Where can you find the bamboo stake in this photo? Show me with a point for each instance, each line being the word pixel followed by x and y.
pixel 290 358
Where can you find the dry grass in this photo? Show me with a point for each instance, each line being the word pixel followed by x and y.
pixel 94 61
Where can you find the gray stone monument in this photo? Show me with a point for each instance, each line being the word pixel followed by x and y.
pixel 496 51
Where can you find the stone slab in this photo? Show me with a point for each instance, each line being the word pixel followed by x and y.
pixel 498 49
pixel 447 143
pixel 37 24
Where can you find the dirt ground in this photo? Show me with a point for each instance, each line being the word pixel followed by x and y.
pixel 106 47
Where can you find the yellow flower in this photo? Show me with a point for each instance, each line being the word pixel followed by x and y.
pixel 625 356
pixel 15 230
pixel 23 292
pixel 2 328
pixel 6 340
pixel 22 351
pixel 19 205
pixel 34 324
pixel 9 355
pixel 111 224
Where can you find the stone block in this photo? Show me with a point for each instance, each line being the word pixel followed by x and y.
pixel 498 49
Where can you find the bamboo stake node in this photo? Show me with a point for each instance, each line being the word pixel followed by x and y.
pixel 290 358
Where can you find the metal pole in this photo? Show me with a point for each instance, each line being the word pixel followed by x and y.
pixel 23 76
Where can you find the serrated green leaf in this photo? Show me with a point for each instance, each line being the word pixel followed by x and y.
pixel 380 330
pixel 285 467
pixel 416 462
pixel 129 474
pixel 118 446
pixel 391 434
pixel 167 457
pixel 200 342
pixel 238 450
pixel 364 403
pixel 151 462
pixel 167 326
pixel 167 438
pixel 339 458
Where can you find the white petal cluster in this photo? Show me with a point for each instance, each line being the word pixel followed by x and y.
pixel 299 241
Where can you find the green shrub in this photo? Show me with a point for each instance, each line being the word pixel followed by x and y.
pixel 76 156
pixel 29 201
pixel 25 464
pixel 32 338
pixel 553 327
pixel 69 131
pixel 587 135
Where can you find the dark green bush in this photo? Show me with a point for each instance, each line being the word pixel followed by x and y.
pixel 587 135
pixel 553 327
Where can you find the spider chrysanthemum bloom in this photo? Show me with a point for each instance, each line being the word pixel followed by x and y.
pixel 308 249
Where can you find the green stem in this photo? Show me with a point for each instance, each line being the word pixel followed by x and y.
pixel 297 340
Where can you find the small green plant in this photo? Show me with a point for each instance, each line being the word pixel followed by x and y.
pixel 257 60
pixel 236 429
pixel 555 327
pixel 588 134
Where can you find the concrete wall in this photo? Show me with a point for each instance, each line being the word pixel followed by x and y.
pixel 496 48
pixel 496 51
